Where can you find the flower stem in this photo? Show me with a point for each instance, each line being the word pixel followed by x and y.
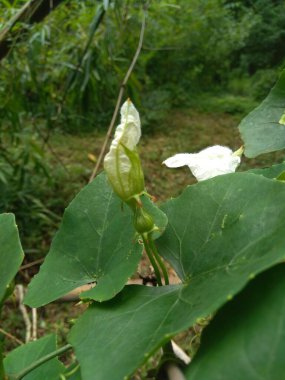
pixel 40 361
pixel 151 258
pixel 158 259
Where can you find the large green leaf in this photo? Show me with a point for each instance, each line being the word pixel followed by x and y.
pixel 227 228
pixel 23 356
pixel 246 339
pixel 263 130
pixel 95 243
pixel 11 253
pixel 113 338
pixel 220 234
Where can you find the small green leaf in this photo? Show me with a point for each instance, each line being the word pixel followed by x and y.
pixel 246 339
pixel 263 130
pixel 281 177
pixel 11 253
pixel 23 356
pixel 271 172
pixel 95 243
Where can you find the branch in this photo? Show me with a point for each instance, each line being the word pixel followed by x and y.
pixel 34 323
pixel 119 100
pixel 174 372
pixel 33 11
pixel 10 336
pixel 22 307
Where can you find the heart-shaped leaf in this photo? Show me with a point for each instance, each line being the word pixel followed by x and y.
pixel 220 234
pixel 95 243
pixel 263 130
pixel 246 339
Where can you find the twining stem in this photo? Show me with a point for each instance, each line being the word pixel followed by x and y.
pixel 158 259
pixel 40 361
pixel 151 258
pixel 119 99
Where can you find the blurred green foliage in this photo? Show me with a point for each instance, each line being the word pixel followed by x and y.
pixel 63 76
pixel 69 72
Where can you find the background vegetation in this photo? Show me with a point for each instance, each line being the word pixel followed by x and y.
pixel 204 64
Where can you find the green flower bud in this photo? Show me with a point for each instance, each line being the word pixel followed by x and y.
pixel 143 221
pixel 122 163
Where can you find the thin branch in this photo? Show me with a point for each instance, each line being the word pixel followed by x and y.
pixel 22 307
pixel 33 11
pixel 180 354
pixel 10 336
pixel 29 265
pixel 119 100
pixel 34 323
pixel 174 372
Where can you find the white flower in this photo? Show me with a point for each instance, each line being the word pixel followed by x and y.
pixel 122 163
pixel 210 162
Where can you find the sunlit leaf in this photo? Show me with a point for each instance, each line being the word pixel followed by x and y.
pixel 263 130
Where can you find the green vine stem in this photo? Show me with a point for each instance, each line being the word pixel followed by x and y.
pixel 40 361
pixel 158 259
pixel 151 258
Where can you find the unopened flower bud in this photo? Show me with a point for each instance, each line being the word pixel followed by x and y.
pixel 122 163
pixel 143 221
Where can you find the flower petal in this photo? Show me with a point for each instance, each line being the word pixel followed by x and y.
pixel 208 163
pixel 179 160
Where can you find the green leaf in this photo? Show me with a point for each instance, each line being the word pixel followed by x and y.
pixel 223 229
pixel 2 374
pixel 220 234
pixel 263 130
pixel 23 356
pixel 11 253
pixel 126 330
pixel 281 177
pixel 271 172
pixel 95 243
pixel 246 339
